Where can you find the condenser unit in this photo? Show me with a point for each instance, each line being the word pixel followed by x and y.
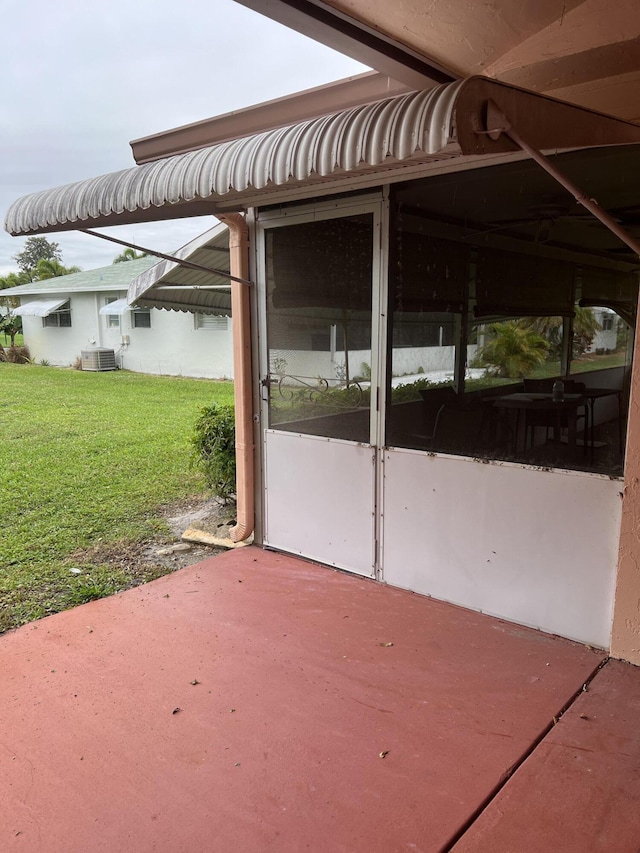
pixel 98 358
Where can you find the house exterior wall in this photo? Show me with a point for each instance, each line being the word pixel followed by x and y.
pixel 407 361
pixel 61 346
pixel 172 346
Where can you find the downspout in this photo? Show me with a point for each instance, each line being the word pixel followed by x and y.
pixel 241 327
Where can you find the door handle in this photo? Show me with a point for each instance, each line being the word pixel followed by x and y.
pixel 265 384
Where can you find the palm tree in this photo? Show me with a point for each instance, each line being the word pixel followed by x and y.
pixel 129 254
pixel 52 268
pixel 513 350
pixel 585 326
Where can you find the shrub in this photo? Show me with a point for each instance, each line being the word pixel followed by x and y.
pixel 18 355
pixel 213 444
pixel 514 350
pixel 410 391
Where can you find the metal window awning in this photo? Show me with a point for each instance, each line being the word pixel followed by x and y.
pixel 417 128
pixel 118 307
pixel 174 287
pixel 39 307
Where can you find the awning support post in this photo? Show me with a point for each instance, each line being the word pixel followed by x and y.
pixel 190 265
pixel 498 123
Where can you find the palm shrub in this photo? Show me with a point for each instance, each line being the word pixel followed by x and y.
pixel 513 350
pixel 585 327
pixel 213 444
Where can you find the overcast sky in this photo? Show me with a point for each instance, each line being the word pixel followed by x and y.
pixel 80 79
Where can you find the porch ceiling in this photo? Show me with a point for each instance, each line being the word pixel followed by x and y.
pixel 417 128
pixel 586 52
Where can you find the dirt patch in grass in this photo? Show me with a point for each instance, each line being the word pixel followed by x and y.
pixel 146 560
pixel 105 569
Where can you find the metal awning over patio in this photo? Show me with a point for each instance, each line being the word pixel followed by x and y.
pixel 417 128
pixel 39 307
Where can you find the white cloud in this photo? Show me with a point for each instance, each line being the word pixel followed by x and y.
pixel 83 79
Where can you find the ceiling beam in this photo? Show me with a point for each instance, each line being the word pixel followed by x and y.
pixel 604 61
pixel 319 21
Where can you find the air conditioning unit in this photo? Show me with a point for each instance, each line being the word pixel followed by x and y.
pixel 98 358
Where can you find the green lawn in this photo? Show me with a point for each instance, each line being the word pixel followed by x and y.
pixel 87 460
pixel 5 340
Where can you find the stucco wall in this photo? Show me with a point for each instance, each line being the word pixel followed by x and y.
pixel 406 361
pixel 172 346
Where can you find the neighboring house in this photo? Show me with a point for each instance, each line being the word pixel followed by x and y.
pixel 379 220
pixel 607 335
pixel 69 315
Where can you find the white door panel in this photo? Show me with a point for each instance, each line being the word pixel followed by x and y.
pixel 532 546
pixel 321 499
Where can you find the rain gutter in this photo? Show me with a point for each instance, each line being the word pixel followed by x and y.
pixel 241 325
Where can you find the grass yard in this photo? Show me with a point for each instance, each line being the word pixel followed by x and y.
pixel 87 461
pixel 5 340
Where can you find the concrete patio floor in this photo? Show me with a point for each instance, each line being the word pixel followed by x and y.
pixel 256 702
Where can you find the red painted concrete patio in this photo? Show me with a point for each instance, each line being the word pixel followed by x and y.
pixel 255 702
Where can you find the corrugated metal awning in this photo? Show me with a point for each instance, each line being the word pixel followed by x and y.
pixel 417 128
pixel 39 307
pixel 117 307
pixel 173 287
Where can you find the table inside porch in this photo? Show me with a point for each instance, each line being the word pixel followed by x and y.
pixel 563 413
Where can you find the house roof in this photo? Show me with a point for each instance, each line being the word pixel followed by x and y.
pixel 390 134
pixel 113 277
pixel 171 286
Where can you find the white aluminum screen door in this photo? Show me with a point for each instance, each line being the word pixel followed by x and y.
pixel 321 288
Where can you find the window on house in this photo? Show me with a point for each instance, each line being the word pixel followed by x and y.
pixel 113 320
pixel 211 323
pixel 60 318
pixel 141 318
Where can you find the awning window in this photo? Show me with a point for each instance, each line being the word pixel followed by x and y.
pixel 39 307
pixel 118 307
pixel 171 287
